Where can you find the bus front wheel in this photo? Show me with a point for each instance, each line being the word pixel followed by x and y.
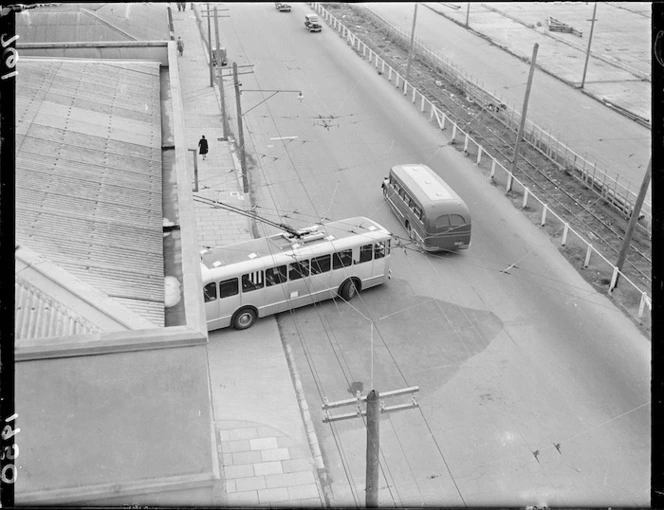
pixel 348 290
pixel 244 318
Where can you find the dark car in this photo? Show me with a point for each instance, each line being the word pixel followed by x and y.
pixel 311 23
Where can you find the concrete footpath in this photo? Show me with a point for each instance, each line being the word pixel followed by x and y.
pixel 268 451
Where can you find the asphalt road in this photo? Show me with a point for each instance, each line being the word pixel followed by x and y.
pixel 620 146
pixel 512 351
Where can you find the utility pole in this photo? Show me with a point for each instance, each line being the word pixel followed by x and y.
pixel 467 13
pixel 240 131
pixel 590 40
pixel 633 219
pixel 412 38
pixel 373 448
pixel 210 46
pixel 224 121
pixel 374 408
pixel 524 111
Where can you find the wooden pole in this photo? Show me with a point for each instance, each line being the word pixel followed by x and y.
pixel 412 38
pixel 590 39
pixel 524 111
pixel 240 132
pixel 373 422
pixel 210 46
pixel 633 219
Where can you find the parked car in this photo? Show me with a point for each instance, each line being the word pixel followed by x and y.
pixel 311 23
pixel 282 7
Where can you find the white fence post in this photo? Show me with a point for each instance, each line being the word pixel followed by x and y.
pixel 588 252
pixel 544 210
pixel 454 128
pixel 614 279
pixel 508 187
pixel 479 155
pixel 493 168
pixel 524 204
pixel 465 144
pixel 565 231
pixel 642 304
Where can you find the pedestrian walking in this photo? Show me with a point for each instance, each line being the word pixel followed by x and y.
pixel 179 6
pixel 180 44
pixel 203 146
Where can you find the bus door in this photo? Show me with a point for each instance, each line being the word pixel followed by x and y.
pixel 321 277
pixel 381 257
pixel 299 292
pixel 222 299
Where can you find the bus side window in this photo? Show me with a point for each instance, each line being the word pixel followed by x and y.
pixel 418 212
pixel 298 270
pixel 402 193
pixel 443 222
pixel 320 264
pixel 366 253
pixel 342 259
pixel 275 276
pixel 228 288
pixel 252 281
pixel 210 292
pixel 456 220
pixel 382 248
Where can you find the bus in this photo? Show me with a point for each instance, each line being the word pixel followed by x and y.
pixel 272 274
pixel 434 216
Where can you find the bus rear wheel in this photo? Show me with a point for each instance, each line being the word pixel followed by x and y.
pixel 244 318
pixel 409 229
pixel 348 290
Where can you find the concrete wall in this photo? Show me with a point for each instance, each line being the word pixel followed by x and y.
pixel 115 425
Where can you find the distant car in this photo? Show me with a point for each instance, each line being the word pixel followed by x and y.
pixel 219 57
pixel 311 23
pixel 282 7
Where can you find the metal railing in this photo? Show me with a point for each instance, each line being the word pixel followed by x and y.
pixel 608 187
pixel 633 297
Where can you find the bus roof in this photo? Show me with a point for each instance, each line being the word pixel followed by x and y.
pixel 315 238
pixel 422 178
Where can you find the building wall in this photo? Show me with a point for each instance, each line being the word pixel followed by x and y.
pixel 94 427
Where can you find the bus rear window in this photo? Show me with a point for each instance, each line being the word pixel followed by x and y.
pixel 456 220
pixel 442 222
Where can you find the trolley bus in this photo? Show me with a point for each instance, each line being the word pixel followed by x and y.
pixel 432 213
pixel 265 276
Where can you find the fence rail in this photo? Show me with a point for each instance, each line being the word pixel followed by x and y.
pixel 608 187
pixel 633 297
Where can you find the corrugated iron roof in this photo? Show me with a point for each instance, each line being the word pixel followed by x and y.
pixel 88 175
pixel 93 22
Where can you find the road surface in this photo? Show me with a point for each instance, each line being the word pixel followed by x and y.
pixel 534 389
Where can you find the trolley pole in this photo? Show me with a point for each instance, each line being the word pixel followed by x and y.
pixel 374 407
pixel 524 112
